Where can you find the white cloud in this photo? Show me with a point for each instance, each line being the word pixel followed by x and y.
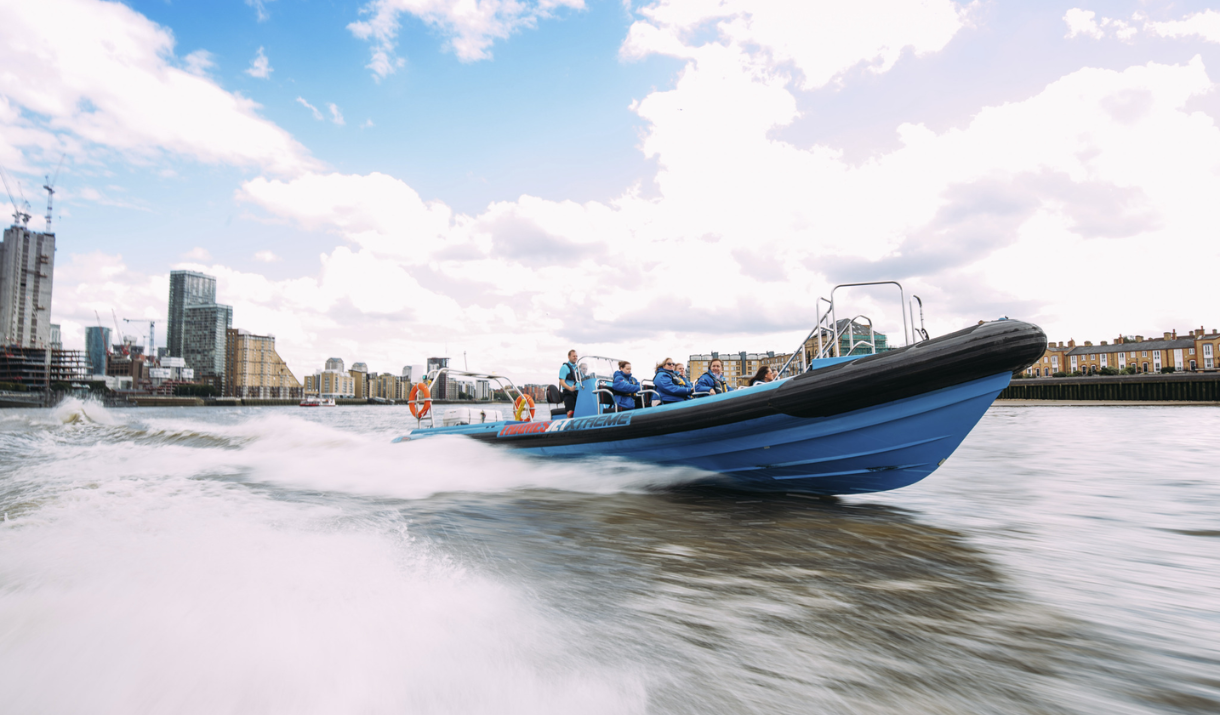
pixel 260 9
pixel 821 39
pixel 199 62
pixel 316 114
pixel 198 254
pixel 260 66
pixel 471 25
pixel 266 257
pixel 335 115
pixel 1032 207
pixel 367 124
pixel 1081 22
pixel 92 74
pixel 1204 24
pixel 996 217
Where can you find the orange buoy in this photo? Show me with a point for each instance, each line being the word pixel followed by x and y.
pixel 523 404
pixel 416 411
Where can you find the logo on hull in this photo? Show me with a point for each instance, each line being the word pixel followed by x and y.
pixel 619 419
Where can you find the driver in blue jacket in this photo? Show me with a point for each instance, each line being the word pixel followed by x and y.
pixel 670 386
pixel 712 381
pixel 625 387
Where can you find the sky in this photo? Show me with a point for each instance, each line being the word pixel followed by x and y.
pixel 501 180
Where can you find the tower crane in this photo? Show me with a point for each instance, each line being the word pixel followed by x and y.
pixel 19 216
pixel 50 187
pixel 152 328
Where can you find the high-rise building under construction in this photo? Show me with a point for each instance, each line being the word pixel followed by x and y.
pixel 27 265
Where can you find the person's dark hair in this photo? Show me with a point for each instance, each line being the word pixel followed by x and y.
pixel 713 362
pixel 760 375
pixel 623 363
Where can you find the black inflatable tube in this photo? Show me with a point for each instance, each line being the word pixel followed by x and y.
pixel 966 355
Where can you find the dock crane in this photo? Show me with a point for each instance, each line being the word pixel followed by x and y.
pixel 152 328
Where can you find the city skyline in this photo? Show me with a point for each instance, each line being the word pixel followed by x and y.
pixel 632 179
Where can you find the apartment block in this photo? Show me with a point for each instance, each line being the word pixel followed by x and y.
pixel 254 369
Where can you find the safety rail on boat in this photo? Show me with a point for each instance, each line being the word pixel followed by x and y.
pixel 601 389
pixel 503 382
pixel 829 333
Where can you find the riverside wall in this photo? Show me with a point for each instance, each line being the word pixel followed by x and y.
pixel 1176 387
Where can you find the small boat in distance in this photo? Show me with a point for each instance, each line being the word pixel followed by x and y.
pixel 315 401
pixel 844 418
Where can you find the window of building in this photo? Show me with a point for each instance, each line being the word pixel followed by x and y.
pixel 1192 351
pixel 1145 354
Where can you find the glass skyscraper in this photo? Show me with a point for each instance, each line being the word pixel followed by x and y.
pixel 186 288
pixel 97 345
pixel 198 325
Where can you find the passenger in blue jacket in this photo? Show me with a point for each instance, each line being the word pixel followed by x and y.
pixel 713 381
pixel 670 386
pixel 625 387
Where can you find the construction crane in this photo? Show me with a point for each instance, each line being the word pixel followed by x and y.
pixel 19 216
pixel 118 332
pixel 50 187
pixel 152 328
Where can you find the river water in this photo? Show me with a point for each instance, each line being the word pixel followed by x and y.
pixel 279 560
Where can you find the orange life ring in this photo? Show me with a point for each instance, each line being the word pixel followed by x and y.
pixel 416 411
pixel 523 403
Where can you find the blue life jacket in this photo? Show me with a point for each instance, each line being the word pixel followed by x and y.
pixel 671 387
pixel 708 382
pixel 624 389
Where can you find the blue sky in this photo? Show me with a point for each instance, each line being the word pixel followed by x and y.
pixel 643 177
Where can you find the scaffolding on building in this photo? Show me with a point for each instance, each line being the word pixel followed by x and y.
pixel 39 368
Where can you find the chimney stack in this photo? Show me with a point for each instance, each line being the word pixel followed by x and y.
pixel 1072 343
pixel 1167 336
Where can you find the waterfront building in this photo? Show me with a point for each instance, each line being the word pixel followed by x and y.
pixel 97 347
pixel 57 340
pixel 738 367
pixel 186 288
pixel 537 392
pixel 389 386
pixel 27 268
pixel 361 379
pixel 198 326
pixel 254 369
pixel 1197 350
pixel 205 330
pixel 1208 345
pixel 333 383
pixel 482 389
pixel 413 373
pixel 441 387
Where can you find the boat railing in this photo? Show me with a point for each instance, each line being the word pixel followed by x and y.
pixel 603 389
pixel 503 382
pixel 826 338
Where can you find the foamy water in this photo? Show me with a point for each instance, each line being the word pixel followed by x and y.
pixel 274 560
pixel 146 567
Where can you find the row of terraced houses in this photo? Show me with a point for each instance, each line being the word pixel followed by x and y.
pixel 1193 351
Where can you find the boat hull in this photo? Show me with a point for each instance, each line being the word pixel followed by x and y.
pixel 870 424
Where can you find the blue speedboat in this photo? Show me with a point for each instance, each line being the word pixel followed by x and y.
pixel 845 425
